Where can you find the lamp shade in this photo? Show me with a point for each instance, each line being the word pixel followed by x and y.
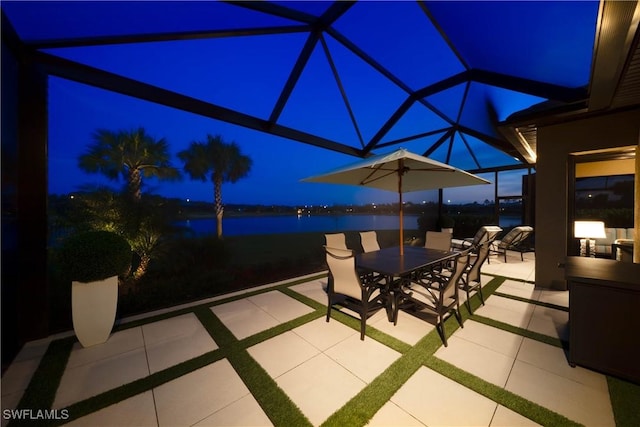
pixel 589 230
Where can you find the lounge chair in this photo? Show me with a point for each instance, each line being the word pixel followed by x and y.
pixel 347 289
pixel 514 241
pixel 486 233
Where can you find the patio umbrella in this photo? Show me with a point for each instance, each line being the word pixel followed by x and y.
pixel 400 171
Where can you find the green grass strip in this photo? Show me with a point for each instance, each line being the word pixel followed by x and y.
pixel 524 407
pixel 272 399
pixel 277 405
pixel 41 391
pixel 520 331
pixel 534 302
pixel 362 407
pixel 125 391
pixel 625 400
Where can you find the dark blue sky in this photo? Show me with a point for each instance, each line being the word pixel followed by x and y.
pixel 248 73
pixel 76 111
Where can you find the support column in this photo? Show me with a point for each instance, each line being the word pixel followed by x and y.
pixel 636 208
pixel 32 282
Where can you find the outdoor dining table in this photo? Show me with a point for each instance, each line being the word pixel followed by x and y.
pixel 398 269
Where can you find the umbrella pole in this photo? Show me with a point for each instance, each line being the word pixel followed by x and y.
pixel 400 173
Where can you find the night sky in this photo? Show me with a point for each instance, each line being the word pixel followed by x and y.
pixel 248 73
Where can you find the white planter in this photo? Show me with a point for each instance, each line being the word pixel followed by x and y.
pixel 93 306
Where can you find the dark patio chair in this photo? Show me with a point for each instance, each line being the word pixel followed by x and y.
pixel 472 279
pixel 348 289
pixel 439 298
pixel 439 240
pixel 514 240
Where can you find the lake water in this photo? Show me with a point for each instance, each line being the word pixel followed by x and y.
pixel 242 226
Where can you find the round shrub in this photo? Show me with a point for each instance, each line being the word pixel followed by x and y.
pixel 94 255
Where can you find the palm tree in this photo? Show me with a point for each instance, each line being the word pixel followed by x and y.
pixel 220 162
pixel 133 154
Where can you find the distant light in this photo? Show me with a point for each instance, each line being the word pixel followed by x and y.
pixel 188 200
pixel 72 196
pixel 590 195
pixel 448 200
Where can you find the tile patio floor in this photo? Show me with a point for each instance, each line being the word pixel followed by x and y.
pixel 320 366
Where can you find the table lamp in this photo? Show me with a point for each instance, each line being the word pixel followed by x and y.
pixel 587 232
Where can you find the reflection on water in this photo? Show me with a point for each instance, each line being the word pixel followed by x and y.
pixel 239 226
pixel 242 226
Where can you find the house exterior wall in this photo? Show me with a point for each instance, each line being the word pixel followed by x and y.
pixel 555 143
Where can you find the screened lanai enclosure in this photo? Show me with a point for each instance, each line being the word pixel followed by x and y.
pixel 354 77
pixel 302 86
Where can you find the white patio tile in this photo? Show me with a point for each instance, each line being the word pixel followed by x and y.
pixel 282 353
pixel 365 358
pixel 492 338
pixel 514 268
pixel 83 381
pixel 478 360
pixel 438 401
pixel 243 318
pixel 137 411
pixel 282 307
pixel 519 289
pixel 516 313
pixel 574 400
pixel 17 377
pixel 390 415
pixel 554 359
pixel 241 413
pixel 175 340
pixel 197 395
pixel 9 401
pixel 322 334
pixel 314 289
pixel 560 298
pixel 551 322
pixel 505 417
pixel 320 387
pixel 409 329
pixel 118 343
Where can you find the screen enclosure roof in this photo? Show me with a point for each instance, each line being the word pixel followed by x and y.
pixel 435 77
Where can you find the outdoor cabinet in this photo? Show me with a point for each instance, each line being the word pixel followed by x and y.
pixel 604 316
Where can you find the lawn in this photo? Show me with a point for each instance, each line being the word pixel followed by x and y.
pixel 190 269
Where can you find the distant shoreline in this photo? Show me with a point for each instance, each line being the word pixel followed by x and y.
pixel 233 214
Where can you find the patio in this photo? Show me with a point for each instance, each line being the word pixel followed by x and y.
pixel 267 356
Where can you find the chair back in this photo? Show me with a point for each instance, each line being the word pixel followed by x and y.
pixel 482 253
pixel 342 267
pixel 336 240
pixel 369 240
pixel 486 233
pixel 451 288
pixel 440 240
pixel 516 236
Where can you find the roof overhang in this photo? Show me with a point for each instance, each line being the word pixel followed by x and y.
pixel 615 79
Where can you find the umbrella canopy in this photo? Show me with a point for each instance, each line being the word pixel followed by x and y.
pixel 400 171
